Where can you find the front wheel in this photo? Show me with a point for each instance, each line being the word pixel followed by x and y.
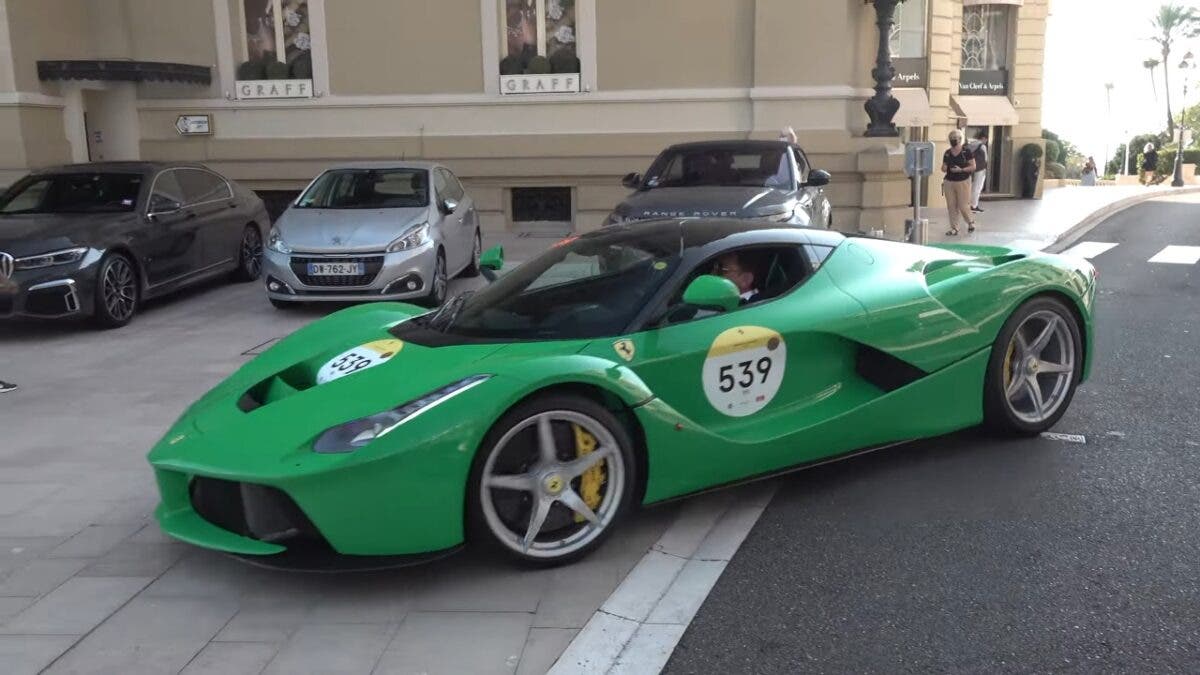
pixel 117 292
pixel 552 479
pixel 1034 369
pixel 438 284
pixel 472 268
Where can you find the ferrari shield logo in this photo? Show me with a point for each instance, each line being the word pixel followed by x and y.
pixel 624 349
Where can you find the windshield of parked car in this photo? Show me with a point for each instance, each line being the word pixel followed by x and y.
pixel 73 193
pixel 581 288
pixel 721 166
pixel 367 189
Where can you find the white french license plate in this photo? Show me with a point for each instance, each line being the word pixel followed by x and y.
pixel 336 269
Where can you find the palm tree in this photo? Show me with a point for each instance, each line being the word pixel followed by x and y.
pixel 1174 22
pixel 1150 65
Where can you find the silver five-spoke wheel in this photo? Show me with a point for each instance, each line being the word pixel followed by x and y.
pixel 553 483
pixel 1039 367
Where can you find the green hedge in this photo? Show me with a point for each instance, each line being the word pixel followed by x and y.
pixel 1166 160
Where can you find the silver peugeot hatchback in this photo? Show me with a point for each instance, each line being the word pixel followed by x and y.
pixel 373 231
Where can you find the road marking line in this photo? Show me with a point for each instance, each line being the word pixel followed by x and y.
pixel 1088 249
pixel 638 626
pixel 1069 438
pixel 1177 255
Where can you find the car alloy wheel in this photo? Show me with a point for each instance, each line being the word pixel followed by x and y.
pixel 1039 367
pixel 472 268
pixel 439 283
pixel 250 255
pixel 118 292
pixel 1034 368
pixel 553 485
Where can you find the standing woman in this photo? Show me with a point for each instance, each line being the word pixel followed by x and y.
pixel 958 165
pixel 1088 176
pixel 1149 164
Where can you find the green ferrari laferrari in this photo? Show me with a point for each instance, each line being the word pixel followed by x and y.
pixel 627 366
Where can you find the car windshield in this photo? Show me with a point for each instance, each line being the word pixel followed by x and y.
pixel 73 193
pixel 367 189
pixel 581 288
pixel 721 166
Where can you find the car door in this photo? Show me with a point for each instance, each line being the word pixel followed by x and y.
pixel 212 201
pixel 749 382
pixel 169 243
pixel 469 221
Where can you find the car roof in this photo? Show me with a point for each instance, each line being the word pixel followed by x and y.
pixel 119 167
pixel 713 234
pixel 386 164
pixel 746 144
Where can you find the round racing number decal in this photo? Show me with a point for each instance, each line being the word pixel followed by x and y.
pixel 358 358
pixel 743 370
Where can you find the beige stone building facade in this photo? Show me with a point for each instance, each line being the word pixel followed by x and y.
pixel 539 105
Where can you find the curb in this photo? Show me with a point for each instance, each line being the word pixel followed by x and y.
pixel 636 629
pixel 1080 229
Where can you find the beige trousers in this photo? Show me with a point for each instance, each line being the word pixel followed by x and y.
pixel 958 201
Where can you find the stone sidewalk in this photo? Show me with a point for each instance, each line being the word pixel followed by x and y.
pixel 1041 223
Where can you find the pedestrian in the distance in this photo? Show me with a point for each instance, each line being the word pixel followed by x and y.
pixel 1088 175
pixel 1149 165
pixel 979 152
pixel 958 165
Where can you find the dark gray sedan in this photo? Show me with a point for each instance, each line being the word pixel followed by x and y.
pixel 762 180
pixel 98 239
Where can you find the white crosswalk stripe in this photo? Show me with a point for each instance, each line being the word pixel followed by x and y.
pixel 1088 249
pixel 1178 255
pixel 1028 244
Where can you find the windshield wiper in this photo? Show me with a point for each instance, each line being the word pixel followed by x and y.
pixel 448 312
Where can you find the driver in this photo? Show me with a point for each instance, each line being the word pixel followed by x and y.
pixel 738 269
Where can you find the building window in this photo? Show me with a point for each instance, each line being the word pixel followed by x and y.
pixel 986 31
pixel 539 46
pixel 548 204
pixel 278 40
pixel 907 39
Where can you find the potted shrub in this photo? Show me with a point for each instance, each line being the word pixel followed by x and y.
pixel 278 71
pixel 252 70
pixel 1031 168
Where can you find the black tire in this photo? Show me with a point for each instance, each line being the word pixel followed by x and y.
pixel 478 528
pixel 1000 415
pixel 437 291
pixel 250 254
pixel 283 304
pixel 472 268
pixel 117 293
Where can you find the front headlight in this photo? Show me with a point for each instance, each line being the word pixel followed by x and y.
pixel 776 212
pixel 63 257
pixel 412 238
pixel 276 243
pixel 353 435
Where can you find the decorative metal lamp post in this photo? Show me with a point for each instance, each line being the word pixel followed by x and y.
pixel 882 107
pixel 1184 67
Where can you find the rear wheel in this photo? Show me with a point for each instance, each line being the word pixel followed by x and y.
pixel 1034 369
pixel 552 479
pixel 250 253
pixel 117 292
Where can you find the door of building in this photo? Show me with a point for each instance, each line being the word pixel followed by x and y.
pixel 999 182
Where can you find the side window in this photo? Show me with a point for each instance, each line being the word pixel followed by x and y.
pixel 167 194
pixel 801 165
pixel 202 186
pixel 439 186
pixel 761 273
pixel 456 189
pixel 817 254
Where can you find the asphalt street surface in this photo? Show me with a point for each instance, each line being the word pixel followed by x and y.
pixel 972 554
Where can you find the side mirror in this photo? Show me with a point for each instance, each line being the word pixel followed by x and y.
pixel 490 262
pixel 712 292
pixel 818 178
pixel 632 180
pixel 449 205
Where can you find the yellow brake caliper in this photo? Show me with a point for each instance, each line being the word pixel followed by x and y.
pixel 1012 347
pixel 593 478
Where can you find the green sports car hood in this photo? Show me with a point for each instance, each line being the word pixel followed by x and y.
pixel 292 392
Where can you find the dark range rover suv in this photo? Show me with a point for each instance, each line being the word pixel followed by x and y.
pixel 768 180
pixel 97 239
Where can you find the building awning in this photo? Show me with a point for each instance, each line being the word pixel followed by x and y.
pixel 124 71
pixel 915 110
pixel 986 110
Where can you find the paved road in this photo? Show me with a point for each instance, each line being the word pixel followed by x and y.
pixel 965 554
